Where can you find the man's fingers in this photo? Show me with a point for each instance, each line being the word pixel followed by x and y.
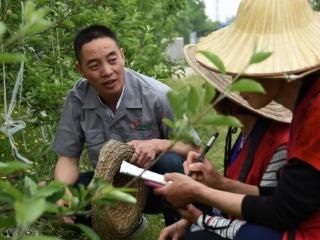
pixel 169 176
pixel 69 219
pixel 193 157
pixel 135 157
pixel 196 167
pixel 142 159
pixel 185 168
pixel 163 235
pixel 192 208
pixel 132 143
pixel 199 178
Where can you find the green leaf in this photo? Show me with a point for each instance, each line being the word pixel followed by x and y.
pixel 41 237
pixel 68 23
pixel 2 30
pixel 6 198
pixel 54 208
pixel 168 122
pixel 10 58
pixel 185 136
pixel 247 85
pixel 7 188
pixel 10 167
pixel 209 94
pixel 30 185
pixel 259 57
pixel 29 210
pixel 215 60
pixel 29 10
pixel 220 120
pixel 88 231
pixel 34 19
pixel 50 189
pixel 177 103
pixel 114 194
pixel 192 99
pixel 6 222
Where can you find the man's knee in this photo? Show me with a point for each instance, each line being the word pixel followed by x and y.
pixel 169 162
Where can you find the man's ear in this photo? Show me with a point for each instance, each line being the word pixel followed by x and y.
pixel 122 53
pixel 79 68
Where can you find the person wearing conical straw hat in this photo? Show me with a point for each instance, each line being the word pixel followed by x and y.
pixel 253 164
pixel 291 76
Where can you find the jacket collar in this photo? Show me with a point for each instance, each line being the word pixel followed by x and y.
pixel 131 96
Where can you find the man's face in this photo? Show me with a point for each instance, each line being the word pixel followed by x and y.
pixel 272 89
pixel 102 63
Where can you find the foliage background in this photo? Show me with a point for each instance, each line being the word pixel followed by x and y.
pixel 144 29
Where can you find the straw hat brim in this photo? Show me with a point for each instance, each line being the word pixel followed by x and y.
pixel 273 110
pixel 288 29
pixel 121 220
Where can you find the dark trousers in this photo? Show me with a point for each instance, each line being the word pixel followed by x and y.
pixel 246 232
pixel 169 162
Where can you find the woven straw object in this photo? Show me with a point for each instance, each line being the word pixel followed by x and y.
pixel 119 221
pixel 287 28
pixel 273 110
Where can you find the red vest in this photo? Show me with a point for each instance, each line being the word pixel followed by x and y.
pixel 304 144
pixel 276 135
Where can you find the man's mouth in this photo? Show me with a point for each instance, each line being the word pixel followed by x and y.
pixel 109 83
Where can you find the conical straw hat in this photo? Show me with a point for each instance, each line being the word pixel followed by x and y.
pixel 287 28
pixel 119 221
pixel 273 110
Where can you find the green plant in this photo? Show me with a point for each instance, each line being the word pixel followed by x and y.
pixel 192 105
pixel 22 207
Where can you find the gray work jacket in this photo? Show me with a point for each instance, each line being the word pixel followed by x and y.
pixel 84 118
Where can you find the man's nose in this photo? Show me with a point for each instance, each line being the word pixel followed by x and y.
pixel 106 69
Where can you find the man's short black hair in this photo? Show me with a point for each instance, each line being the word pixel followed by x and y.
pixel 91 33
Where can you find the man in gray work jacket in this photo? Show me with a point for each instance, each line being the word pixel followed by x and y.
pixel 113 102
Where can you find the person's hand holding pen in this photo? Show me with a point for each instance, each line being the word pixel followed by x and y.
pixel 203 172
pixel 201 169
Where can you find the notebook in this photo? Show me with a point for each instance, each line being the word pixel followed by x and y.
pixel 132 170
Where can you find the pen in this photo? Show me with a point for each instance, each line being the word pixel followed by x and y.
pixel 207 148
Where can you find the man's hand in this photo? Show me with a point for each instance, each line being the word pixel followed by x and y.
pixel 191 213
pixel 203 172
pixel 175 231
pixel 66 219
pixel 66 171
pixel 145 152
pixel 180 191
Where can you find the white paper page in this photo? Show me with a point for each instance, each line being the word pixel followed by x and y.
pixel 132 170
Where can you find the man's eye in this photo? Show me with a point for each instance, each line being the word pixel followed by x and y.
pixel 112 60
pixel 93 67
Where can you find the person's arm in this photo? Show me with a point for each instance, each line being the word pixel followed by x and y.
pixel 147 150
pixel 181 148
pixel 175 231
pixel 269 180
pixel 183 190
pixel 296 198
pixel 66 170
pixel 235 186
